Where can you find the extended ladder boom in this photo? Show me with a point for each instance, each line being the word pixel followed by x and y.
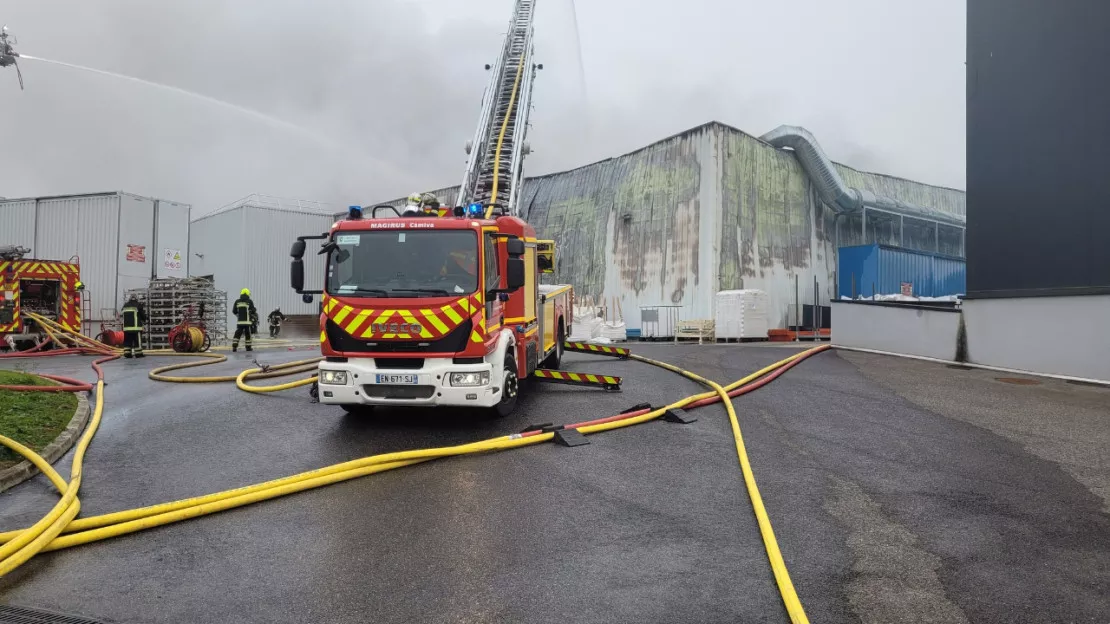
pixel 493 171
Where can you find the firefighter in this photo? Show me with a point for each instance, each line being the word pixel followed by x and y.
pixel 412 204
pixel 275 318
pixel 133 318
pixel 245 317
pixel 429 203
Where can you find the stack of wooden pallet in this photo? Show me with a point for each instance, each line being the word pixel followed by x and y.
pixel 701 330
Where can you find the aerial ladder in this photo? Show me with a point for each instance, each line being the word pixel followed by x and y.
pixel 497 151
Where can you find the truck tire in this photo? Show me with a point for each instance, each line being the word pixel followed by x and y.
pixel 552 362
pixel 510 387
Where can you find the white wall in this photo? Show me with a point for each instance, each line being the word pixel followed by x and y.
pixel 1055 335
pixel 97 229
pixel 912 331
pixel 86 227
pixel 171 239
pixel 248 247
pixel 17 223
pixel 217 249
pixel 136 229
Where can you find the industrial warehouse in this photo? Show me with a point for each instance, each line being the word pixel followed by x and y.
pixel 720 377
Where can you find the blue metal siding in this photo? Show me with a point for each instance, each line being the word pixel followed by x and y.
pixel 879 269
pixel 949 276
pixel 857 270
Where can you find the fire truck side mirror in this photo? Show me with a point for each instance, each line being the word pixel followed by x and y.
pixel 298 249
pixel 514 273
pixel 515 247
pixel 296 274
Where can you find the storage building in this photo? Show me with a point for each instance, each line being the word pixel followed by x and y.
pixel 715 209
pixel 120 240
pixel 246 245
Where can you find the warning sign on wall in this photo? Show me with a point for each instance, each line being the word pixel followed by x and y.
pixel 907 289
pixel 136 253
pixel 171 259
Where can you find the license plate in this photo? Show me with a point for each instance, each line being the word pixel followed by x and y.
pixel 396 379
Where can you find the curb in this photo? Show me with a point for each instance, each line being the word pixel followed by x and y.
pixel 11 477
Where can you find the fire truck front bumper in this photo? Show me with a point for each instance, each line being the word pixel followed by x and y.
pixel 437 382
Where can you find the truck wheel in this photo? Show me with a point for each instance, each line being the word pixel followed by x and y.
pixel 510 387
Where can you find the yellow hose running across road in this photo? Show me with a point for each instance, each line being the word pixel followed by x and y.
pixel 19 546
pixel 101 527
pixel 267 372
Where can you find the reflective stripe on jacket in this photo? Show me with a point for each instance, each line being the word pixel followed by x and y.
pixel 243 313
pixel 131 319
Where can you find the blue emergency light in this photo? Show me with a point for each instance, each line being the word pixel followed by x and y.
pixel 354 212
pixel 474 209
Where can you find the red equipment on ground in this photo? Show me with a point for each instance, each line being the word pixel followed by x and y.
pixel 190 336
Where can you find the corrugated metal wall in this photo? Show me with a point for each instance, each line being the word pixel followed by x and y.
pixel 86 227
pixel 710 209
pixel 634 227
pixel 97 231
pixel 248 247
pixel 217 247
pixel 17 223
pixel 136 230
pixel 867 270
pixel 172 236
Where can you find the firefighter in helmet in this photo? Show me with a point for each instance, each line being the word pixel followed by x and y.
pixel 133 316
pixel 246 316
pixel 275 318
pixel 412 204
pixel 429 203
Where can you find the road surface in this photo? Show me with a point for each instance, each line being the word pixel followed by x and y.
pixel 900 491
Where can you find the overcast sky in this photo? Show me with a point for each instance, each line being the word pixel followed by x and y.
pixel 386 92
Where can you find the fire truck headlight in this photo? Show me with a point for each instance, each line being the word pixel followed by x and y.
pixel 333 378
pixel 470 379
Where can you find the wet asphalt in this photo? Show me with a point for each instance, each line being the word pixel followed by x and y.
pixel 899 491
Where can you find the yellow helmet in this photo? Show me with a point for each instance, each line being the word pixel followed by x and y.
pixel 245 291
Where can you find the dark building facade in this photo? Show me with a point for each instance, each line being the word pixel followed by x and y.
pixel 1038 148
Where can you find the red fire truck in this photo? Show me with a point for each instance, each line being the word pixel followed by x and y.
pixel 49 288
pixel 434 310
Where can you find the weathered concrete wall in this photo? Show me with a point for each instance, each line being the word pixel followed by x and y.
pixel 641 227
pixel 710 209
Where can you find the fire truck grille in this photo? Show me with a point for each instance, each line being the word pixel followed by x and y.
pixel 398 392
pixel 453 342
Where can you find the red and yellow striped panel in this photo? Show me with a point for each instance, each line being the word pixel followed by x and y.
pixel 6 286
pixel 38 268
pixel 435 321
pixel 11 271
pixel 585 347
pixel 583 378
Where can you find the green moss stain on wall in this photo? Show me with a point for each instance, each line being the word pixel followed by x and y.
pixel 767 210
pixel 647 201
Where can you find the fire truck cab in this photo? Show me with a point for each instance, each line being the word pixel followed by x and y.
pixel 49 288
pixel 439 309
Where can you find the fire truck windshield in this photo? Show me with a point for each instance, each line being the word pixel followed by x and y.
pixel 425 263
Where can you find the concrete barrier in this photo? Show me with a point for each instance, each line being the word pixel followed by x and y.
pixel 927 331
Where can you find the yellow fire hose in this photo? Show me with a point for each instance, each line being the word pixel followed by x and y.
pixel 20 545
pixel 278 370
